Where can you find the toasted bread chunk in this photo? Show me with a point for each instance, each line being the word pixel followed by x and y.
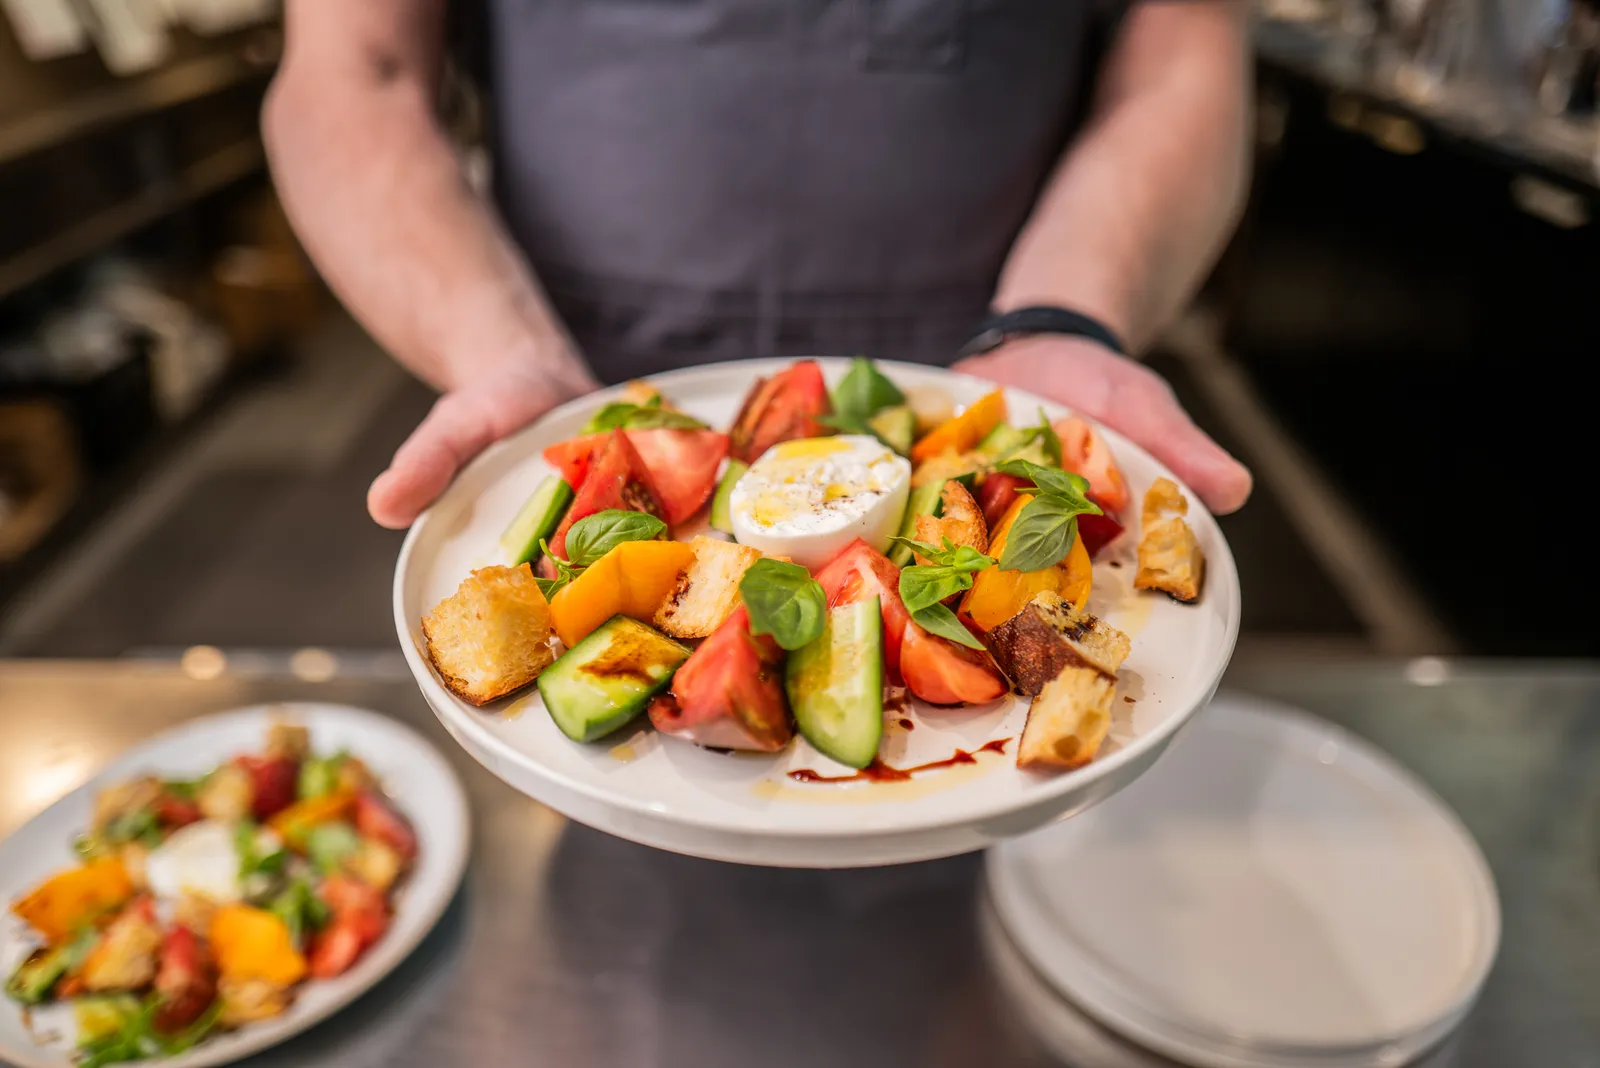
pixel 640 393
pixel 1049 636
pixel 1067 721
pixel 961 521
pixel 708 590
pixel 1169 554
pixel 941 468
pixel 492 636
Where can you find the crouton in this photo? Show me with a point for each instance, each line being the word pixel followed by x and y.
pixel 492 636
pixel 942 468
pixel 643 393
pixel 247 1000
pixel 125 956
pixel 708 590
pixel 124 799
pixel 288 741
pixel 1068 721
pixel 960 520
pixel 376 864
pixel 1048 636
pixel 227 794
pixel 1169 554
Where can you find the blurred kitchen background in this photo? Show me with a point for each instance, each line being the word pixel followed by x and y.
pixel 1395 342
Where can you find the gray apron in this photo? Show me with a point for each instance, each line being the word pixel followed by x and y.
pixel 699 180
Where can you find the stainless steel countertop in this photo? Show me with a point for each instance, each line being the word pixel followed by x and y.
pixel 568 947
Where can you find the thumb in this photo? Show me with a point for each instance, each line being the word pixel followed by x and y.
pixel 460 426
pixel 1140 404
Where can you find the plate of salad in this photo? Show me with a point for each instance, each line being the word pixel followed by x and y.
pixel 223 887
pixel 824 612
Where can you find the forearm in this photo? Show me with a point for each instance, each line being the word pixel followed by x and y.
pixel 1142 203
pixel 379 199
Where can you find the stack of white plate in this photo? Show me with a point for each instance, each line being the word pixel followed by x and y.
pixel 1274 893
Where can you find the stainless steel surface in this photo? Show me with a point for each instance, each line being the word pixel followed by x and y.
pixel 567 947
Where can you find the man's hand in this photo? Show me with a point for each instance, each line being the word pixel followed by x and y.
pixel 1125 396
pixel 462 424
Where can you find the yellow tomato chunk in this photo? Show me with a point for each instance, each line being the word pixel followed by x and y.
pixel 634 579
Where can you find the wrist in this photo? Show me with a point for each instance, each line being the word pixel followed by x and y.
pixel 548 365
pixel 1041 321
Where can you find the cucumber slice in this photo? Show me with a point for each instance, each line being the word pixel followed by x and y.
pixel 537 520
pixel 924 500
pixel 606 680
pixel 896 427
pixel 721 517
pixel 36 976
pixel 102 1016
pixel 835 685
pixel 1001 440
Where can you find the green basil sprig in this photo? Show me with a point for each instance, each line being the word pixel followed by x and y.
pixel 592 537
pixel 1045 436
pixel 862 393
pixel 783 600
pixel 621 415
pixel 1043 532
pixel 924 587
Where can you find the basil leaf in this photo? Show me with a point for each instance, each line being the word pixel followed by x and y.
pixel 922 586
pixel 1073 488
pixel 593 536
pixel 1048 438
pixel 784 601
pixel 938 619
pixel 1042 534
pixel 621 415
pixel 550 587
pixel 656 418
pixel 964 557
pixel 863 392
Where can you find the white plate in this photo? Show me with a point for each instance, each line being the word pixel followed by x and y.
pixel 414 773
pixel 667 793
pixel 1277 893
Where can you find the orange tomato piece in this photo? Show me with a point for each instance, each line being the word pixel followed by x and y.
pixel 965 430
pixel 253 943
pixel 66 901
pixel 292 824
pixel 998 595
pixel 634 579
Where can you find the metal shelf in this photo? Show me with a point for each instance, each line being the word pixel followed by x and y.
pixel 105 106
pixel 220 169
pixel 1560 147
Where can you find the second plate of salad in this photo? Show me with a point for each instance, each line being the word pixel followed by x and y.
pixel 816 612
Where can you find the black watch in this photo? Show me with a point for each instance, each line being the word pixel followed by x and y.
pixel 998 329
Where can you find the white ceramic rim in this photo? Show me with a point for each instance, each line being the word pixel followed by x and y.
pixel 1103 995
pixel 1222 579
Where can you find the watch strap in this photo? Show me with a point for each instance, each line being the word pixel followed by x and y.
pixel 1023 322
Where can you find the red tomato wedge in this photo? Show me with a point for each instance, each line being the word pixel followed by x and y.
pixel 573 458
pixel 729 693
pixel 617 479
pixel 273 783
pixel 995 496
pixel 1085 452
pixel 1098 531
pixel 859 572
pixel 186 980
pixel 780 408
pixel 376 818
pixel 941 672
pixel 682 465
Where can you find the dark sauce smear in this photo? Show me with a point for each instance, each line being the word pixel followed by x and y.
pixel 878 771
pixel 908 725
